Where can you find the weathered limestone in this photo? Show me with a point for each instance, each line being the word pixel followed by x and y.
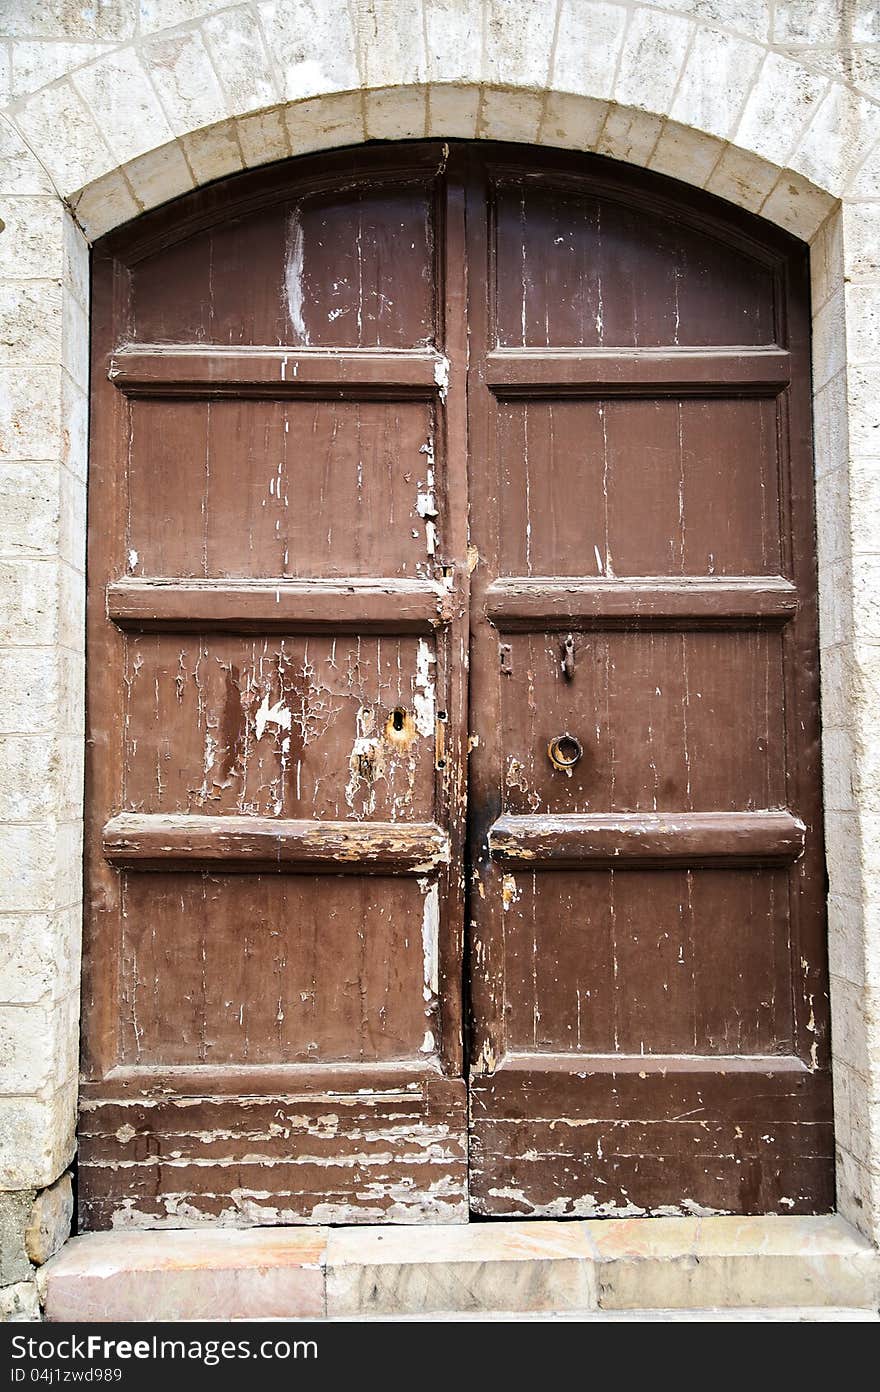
pixel 483 1268
pixel 49 1223
pixel 110 109
pixel 34 1225
pixel 267 1273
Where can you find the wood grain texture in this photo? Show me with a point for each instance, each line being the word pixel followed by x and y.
pixel 533 371
pixel 645 591
pixel 274 565
pixel 356 1148
pixel 640 602
pixel 135 840
pixel 405 463
pixel 279 606
pixel 695 838
pixel 193 370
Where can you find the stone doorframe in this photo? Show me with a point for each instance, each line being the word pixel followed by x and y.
pixel 118 108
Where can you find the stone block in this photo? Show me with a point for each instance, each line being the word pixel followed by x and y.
pixel 572 123
pixel 30 321
pixel 822 22
pixel 30 503
pixel 123 101
pixel 39 955
pixel 797 205
pixel 312 44
pixel 865 182
pixel 105 204
pixel 19 1303
pixel 262 137
pixel 723 1262
pixel 829 340
pixel 112 20
pixel 509 115
pixel 861 240
pixel 183 75
pixel 453 112
pixel 588 44
pixel 37 1137
pixel 629 135
pixel 716 80
pixel 15 1212
pixel 37 62
pixel 261 1274
pixel 782 101
pixel 32 240
pixel 325 122
pixel 167 14
pixel 472 1267
pixel 49 1222
pixel 652 58
pixel 28 777
pixel 742 178
pixel 31 684
pixel 685 154
pixel 454 41
pixel 863 323
pixel 65 137
pixel 397 113
pixel 830 412
pixel 845 957
pixel 74 432
pixel 843 854
pixel 390 40
pixel 38 1045
pixel 517 42
pixel 75 272
pixel 240 60
pixel 159 176
pixel 20 172
pixel 213 153
pixel 843 128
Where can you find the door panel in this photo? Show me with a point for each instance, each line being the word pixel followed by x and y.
pixel 291 514
pixel 705 473
pixel 277 589
pixel 646 909
pixel 451 577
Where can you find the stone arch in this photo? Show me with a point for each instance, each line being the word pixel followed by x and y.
pixel 129 116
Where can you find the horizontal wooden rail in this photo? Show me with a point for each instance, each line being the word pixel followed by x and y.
pixel 635 371
pixel 642 1064
pixel 197 370
pixel 641 601
pixel 290 606
pixel 648 838
pixel 151 841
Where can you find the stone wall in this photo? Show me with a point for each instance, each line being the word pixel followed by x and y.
pixel 113 106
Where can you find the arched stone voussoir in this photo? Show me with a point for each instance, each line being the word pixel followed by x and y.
pixel 450 111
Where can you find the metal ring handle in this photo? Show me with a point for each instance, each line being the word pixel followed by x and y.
pixel 564 751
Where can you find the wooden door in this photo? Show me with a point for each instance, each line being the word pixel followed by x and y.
pixel 650 1008
pixel 376 435
pixel 276 697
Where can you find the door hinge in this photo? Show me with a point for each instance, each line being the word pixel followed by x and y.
pixel 505 653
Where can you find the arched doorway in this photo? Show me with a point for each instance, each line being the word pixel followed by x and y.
pixel 454 804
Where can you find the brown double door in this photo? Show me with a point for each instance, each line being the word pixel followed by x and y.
pixel 454 810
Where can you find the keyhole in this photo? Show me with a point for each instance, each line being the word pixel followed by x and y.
pixel 398 718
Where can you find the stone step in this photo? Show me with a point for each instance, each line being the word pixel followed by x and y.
pixel 558 1268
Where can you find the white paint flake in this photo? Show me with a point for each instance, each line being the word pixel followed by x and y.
pixel 441 376
pixel 430 939
pixel 423 691
pixel 293 275
pixel 278 715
